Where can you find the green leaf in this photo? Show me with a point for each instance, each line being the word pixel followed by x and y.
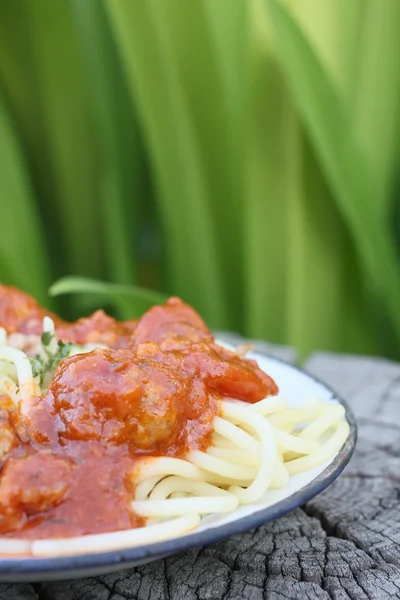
pixel 194 269
pixel 23 257
pixel 20 85
pixel 46 337
pixel 343 162
pixel 217 118
pixel 117 145
pixel 37 368
pixel 63 350
pixel 131 301
pixel 228 26
pixel 69 146
pixel 326 304
pixel 377 98
pixel 334 28
pixel 271 180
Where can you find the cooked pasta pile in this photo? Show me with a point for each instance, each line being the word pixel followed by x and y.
pixel 255 448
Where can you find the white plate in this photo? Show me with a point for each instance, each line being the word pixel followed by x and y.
pixel 296 386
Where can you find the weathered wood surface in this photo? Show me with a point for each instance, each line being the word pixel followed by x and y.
pixel 345 544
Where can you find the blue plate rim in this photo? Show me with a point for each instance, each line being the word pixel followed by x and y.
pixel 71 566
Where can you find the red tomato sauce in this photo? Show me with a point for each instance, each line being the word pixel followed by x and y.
pixel 68 454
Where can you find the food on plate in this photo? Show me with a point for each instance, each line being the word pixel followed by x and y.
pixel 114 434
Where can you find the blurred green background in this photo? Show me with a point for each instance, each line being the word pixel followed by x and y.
pixel 242 154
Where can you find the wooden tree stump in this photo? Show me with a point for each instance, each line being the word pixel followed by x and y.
pixel 345 544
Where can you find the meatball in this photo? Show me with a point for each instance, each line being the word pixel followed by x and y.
pixel 112 395
pixel 172 325
pixel 99 328
pixel 221 370
pixel 20 312
pixel 269 387
pixel 31 485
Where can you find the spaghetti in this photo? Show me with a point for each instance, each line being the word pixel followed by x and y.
pixel 115 435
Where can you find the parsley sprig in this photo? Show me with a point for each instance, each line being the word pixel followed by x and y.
pixel 44 366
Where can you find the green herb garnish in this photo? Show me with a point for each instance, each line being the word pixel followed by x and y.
pixel 44 367
pixel 37 368
pixel 63 350
pixel 46 338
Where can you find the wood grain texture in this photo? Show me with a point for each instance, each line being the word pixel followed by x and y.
pixel 345 544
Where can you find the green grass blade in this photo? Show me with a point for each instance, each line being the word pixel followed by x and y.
pixel 345 166
pixel 271 163
pixel 130 301
pixel 194 266
pixel 227 23
pixel 217 117
pixel 334 29
pixel 17 73
pixel 23 260
pixel 117 143
pixel 19 82
pixel 326 304
pixel 67 131
pixel 377 112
